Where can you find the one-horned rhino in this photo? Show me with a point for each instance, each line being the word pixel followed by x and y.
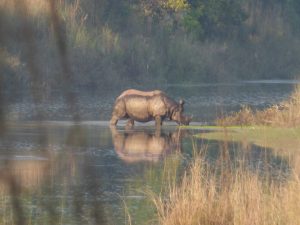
pixel 141 106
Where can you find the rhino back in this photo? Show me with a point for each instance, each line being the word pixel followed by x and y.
pixel 140 93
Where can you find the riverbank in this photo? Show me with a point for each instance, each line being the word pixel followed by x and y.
pixel 230 192
pixel 283 114
pixel 225 196
pixel 285 140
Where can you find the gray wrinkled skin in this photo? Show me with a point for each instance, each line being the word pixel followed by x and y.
pixel 142 106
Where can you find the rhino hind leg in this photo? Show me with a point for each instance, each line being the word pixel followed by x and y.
pixel 113 120
pixel 119 112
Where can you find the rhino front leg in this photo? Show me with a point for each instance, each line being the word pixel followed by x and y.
pixel 129 124
pixel 158 122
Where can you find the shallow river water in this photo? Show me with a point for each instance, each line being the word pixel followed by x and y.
pixel 204 101
pixel 62 172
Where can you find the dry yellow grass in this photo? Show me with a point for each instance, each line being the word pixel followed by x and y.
pixel 286 113
pixel 237 197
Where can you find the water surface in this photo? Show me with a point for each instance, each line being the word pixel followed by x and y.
pixel 72 173
pixel 56 171
pixel 204 101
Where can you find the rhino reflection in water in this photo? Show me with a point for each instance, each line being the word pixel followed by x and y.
pixel 135 146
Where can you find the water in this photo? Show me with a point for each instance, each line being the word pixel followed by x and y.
pixel 204 101
pixel 60 172
pixel 72 173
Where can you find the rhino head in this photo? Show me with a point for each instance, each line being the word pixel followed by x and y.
pixel 177 114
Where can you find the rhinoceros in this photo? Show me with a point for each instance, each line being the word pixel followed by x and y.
pixel 141 106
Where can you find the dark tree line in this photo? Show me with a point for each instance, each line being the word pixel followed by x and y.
pixel 150 42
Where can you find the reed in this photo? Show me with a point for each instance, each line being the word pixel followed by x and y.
pixel 286 113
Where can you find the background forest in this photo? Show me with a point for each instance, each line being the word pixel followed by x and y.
pixel 113 44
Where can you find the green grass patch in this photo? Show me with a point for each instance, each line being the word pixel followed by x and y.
pixel 277 138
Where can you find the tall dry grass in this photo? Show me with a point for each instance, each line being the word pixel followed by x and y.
pixel 236 197
pixel 286 113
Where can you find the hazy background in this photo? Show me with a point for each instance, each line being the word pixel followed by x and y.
pixel 115 43
pixel 105 46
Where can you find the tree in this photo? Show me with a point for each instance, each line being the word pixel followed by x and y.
pixel 214 18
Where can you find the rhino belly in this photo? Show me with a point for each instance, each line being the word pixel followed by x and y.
pixel 138 110
pixel 140 117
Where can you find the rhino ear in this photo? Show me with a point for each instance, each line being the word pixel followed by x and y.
pixel 181 102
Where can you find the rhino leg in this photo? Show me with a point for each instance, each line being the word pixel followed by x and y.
pixel 119 112
pixel 129 124
pixel 114 120
pixel 158 122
